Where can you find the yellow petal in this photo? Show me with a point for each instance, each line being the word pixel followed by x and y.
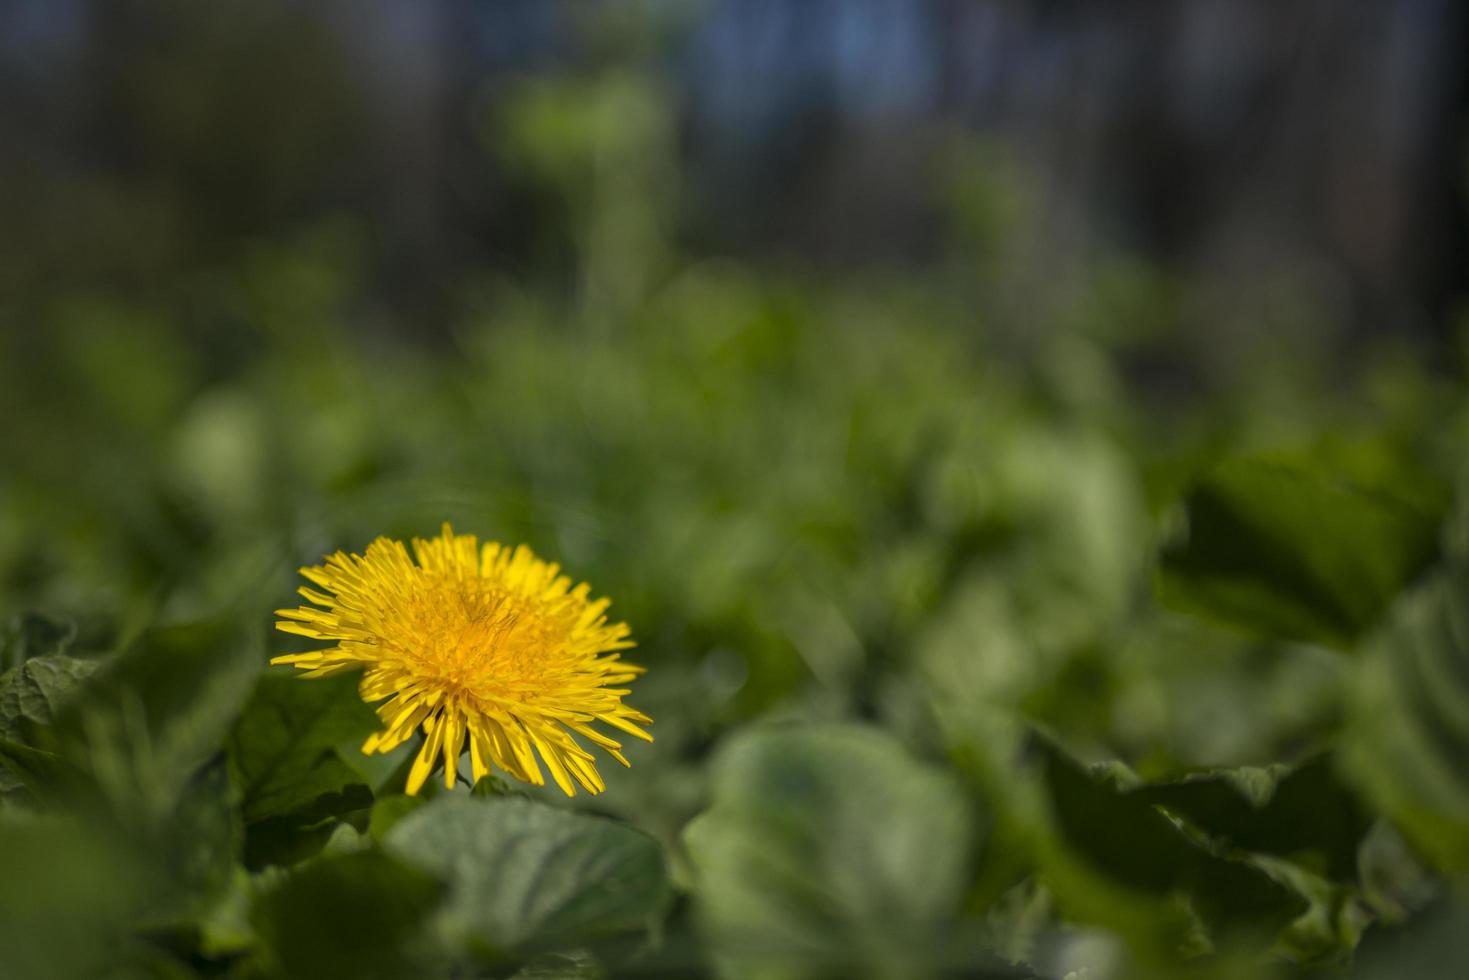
pixel 479 754
pixel 453 723
pixel 424 763
pixel 552 757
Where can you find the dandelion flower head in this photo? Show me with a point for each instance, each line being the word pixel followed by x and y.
pixel 485 648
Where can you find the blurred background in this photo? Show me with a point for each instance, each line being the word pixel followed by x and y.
pixel 860 350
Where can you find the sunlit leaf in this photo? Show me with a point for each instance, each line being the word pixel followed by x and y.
pixel 525 876
pixel 830 848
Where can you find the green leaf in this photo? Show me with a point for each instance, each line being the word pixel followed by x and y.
pixel 149 719
pixel 286 754
pixel 34 770
pixel 30 694
pixel 353 915
pixel 1298 548
pixel 1407 741
pixel 1123 837
pixel 30 635
pixel 1304 813
pixel 830 848
pixel 284 748
pixel 525 877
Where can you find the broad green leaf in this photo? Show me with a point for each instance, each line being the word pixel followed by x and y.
pixel 34 770
pixel 150 718
pixel 525 876
pixel 830 848
pixel 284 748
pixel 1123 837
pixel 1407 741
pixel 30 635
pixel 1293 547
pixel 353 915
pixel 1304 813
pixel 32 692
pixel 30 695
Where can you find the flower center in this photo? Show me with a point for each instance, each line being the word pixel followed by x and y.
pixel 475 638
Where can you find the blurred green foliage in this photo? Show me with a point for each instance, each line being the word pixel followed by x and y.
pixel 970 653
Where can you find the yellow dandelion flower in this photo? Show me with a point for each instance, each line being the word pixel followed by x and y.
pixel 487 647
